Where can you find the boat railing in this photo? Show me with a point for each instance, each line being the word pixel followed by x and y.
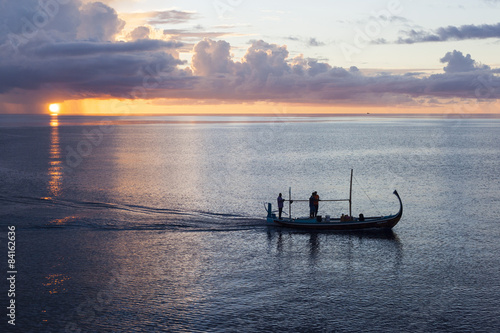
pixel 299 200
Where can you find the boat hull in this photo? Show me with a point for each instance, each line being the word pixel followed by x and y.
pixel 373 223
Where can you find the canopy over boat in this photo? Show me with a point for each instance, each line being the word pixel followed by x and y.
pixel 322 223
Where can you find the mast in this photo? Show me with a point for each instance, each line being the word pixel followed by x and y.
pixel 350 196
pixel 290 203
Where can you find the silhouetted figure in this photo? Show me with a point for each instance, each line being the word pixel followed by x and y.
pixel 315 203
pixel 280 205
pixel 311 206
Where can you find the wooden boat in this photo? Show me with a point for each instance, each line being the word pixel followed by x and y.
pixel 326 223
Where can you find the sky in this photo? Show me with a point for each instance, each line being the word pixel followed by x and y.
pixel 238 56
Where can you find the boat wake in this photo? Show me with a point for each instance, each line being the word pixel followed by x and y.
pixel 47 212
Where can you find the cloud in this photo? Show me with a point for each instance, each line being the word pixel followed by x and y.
pixel 314 42
pixel 266 73
pixel 141 32
pixel 457 63
pixel 394 18
pixel 25 20
pixel 183 34
pixel 452 33
pixel 314 67
pixel 76 57
pixel 84 48
pixel 211 57
pixel 92 75
pixel 99 22
pixel 310 42
pixel 71 58
pixel 171 17
pixel 159 17
pixel 264 59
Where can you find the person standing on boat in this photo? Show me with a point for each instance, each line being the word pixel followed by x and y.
pixel 311 206
pixel 280 205
pixel 315 203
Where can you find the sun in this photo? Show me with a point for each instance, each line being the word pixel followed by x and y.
pixel 54 108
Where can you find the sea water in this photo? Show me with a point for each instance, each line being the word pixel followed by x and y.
pixel 158 224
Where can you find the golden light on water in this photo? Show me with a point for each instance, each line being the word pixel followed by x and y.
pixel 55 157
pixel 54 108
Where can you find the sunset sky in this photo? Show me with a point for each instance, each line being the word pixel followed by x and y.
pixel 239 56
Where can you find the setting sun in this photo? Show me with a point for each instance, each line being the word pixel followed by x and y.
pixel 54 108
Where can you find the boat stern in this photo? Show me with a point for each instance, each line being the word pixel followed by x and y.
pixel 270 215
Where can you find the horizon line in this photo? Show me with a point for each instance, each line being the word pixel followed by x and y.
pixel 365 114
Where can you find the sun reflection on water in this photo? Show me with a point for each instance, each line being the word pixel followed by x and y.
pixel 63 220
pixel 55 283
pixel 55 160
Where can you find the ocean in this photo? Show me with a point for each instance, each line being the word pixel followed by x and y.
pixel 157 224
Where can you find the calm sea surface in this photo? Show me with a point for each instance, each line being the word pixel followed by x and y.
pixel 157 224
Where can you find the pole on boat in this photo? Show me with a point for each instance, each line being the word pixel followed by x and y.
pixel 290 203
pixel 350 196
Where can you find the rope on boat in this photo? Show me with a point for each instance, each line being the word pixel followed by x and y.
pixel 361 187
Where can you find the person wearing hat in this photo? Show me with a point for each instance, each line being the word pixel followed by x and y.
pixel 315 203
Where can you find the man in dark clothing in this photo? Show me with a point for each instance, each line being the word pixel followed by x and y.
pixel 311 206
pixel 280 205
pixel 315 203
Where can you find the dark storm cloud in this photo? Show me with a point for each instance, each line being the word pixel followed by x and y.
pixel 76 57
pixel 21 21
pixel 84 76
pixel 452 33
pixel 83 48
